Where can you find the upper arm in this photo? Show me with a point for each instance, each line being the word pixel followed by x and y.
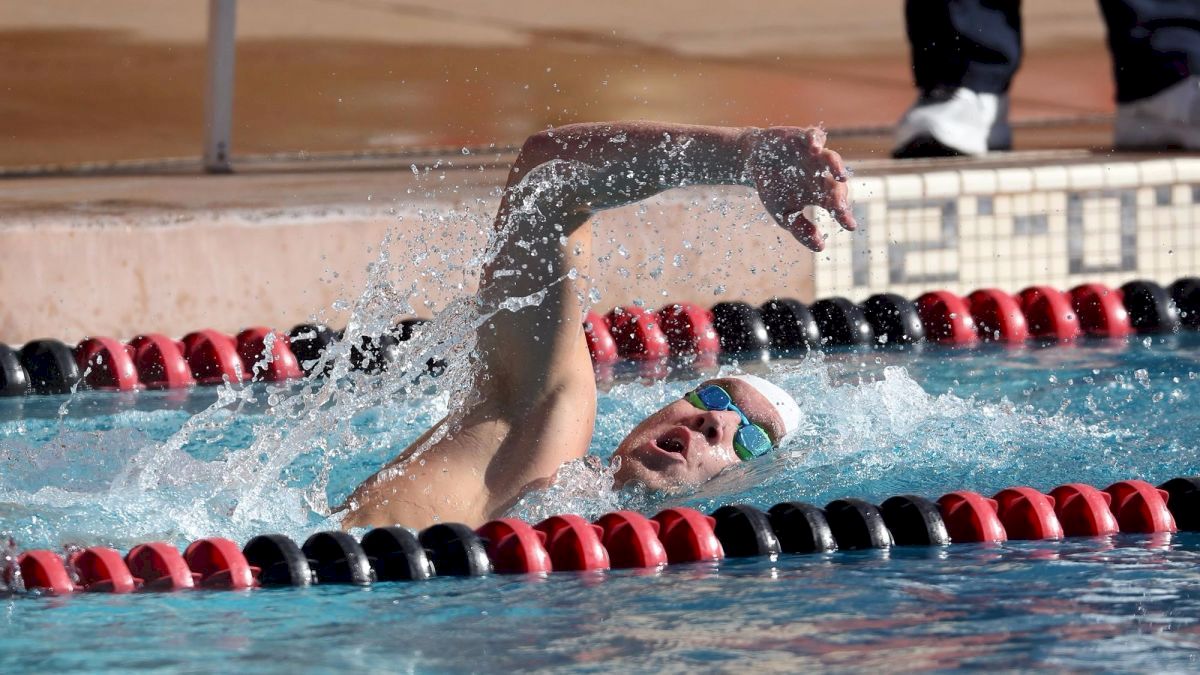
pixel 535 289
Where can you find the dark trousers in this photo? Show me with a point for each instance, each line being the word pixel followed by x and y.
pixel 977 43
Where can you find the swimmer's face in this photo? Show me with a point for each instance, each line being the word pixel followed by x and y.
pixel 682 445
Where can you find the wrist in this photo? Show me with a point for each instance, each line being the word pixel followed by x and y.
pixel 748 143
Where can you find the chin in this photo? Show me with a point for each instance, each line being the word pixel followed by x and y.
pixel 633 472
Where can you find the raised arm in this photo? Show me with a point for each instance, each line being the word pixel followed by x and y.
pixel 563 176
pixel 536 393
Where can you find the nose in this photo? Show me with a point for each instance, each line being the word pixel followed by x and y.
pixel 712 424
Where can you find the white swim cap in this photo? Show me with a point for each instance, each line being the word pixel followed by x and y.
pixel 785 405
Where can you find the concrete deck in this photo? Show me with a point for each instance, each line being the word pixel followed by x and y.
pixel 124 79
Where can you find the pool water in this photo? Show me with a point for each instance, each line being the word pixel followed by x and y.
pixel 98 468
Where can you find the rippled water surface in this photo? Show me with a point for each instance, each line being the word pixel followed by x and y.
pixel 105 469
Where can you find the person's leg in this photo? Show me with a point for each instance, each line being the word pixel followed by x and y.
pixel 1156 64
pixel 1154 43
pixel 964 56
pixel 964 43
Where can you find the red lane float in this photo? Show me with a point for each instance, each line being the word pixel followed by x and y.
pixel 637 333
pixel 267 355
pixel 159 362
pixel 160 567
pixel 515 547
pixel 1100 310
pixel 220 563
pixel 1083 510
pixel 971 517
pixel 573 543
pixel 1027 514
pixel 631 540
pixel 688 536
pixel 689 329
pixel 44 571
pixel 106 364
pixel 213 357
pixel 1049 313
pixel 1140 507
pixel 998 316
pixel 101 570
pixel 599 339
pixel 947 318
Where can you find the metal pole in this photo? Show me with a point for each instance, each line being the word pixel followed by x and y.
pixel 218 103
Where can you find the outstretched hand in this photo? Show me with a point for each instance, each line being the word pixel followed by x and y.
pixel 792 169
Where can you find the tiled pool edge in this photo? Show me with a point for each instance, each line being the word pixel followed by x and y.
pixel 1009 226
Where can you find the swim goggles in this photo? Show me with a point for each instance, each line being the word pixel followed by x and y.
pixel 751 440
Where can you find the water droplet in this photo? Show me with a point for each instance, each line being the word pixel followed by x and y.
pixel 466 151
pixel 1142 376
pixel 720 289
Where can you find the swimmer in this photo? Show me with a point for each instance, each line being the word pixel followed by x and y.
pixel 535 408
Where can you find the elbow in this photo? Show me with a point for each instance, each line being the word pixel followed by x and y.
pixel 538 149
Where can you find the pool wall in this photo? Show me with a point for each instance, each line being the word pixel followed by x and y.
pixel 121 255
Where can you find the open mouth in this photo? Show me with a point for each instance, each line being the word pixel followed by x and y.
pixel 673 441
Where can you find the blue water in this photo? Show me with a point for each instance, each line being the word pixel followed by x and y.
pixel 107 469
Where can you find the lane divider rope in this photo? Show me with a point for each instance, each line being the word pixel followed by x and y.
pixel 782 325
pixel 617 540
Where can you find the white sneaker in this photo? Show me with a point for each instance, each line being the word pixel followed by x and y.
pixel 950 122
pixel 1168 119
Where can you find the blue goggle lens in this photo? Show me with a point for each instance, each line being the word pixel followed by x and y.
pixel 751 440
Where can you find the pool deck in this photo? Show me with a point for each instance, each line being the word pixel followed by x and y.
pixel 121 252
pixel 124 79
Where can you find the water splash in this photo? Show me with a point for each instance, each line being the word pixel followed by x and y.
pixel 277 457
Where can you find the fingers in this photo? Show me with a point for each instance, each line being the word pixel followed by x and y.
pixel 835 199
pixel 833 162
pixel 816 140
pixel 821 180
pixel 844 216
pixel 804 230
pixel 836 195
